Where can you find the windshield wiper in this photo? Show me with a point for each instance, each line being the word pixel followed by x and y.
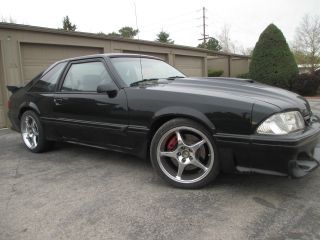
pixel 154 79
pixel 143 80
pixel 174 77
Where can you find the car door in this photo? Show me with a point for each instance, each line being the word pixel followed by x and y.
pixel 83 114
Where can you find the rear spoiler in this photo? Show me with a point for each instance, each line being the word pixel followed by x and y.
pixel 13 89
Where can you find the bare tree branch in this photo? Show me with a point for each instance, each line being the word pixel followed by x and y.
pixel 307 40
pixel 6 20
pixel 226 43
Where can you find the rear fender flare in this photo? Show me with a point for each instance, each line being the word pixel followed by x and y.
pixel 28 106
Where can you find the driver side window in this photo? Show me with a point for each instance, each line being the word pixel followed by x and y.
pixel 86 77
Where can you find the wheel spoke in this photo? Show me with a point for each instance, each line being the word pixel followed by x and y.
pixel 34 128
pixel 168 154
pixel 25 135
pixel 197 145
pixel 27 122
pixel 198 164
pixel 180 171
pixel 30 140
pixel 34 141
pixel 179 138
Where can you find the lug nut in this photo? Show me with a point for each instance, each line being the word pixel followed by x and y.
pixel 183 160
pixel 191 158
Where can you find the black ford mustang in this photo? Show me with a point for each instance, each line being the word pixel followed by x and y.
pixel 192 128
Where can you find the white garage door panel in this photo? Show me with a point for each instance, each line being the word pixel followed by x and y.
pixel 191 66
pixel 30 71
pixel 2 93
pixel 37 57
pixel 191 72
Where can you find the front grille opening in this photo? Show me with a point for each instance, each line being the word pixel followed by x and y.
pixel 303 156
pixel 307 119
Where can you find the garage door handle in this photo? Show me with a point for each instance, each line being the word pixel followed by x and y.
pixel 59 101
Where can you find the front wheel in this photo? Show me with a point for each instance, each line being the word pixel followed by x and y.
pixel 32 132
pixel 183 153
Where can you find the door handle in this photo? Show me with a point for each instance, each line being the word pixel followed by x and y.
pixel 59 101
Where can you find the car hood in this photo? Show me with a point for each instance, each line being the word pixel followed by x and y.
pixel 229 87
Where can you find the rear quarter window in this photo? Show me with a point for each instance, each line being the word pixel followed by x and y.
pixel 48 82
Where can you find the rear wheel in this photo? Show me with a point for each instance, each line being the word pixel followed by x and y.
pixel 183 153
pixel 32 132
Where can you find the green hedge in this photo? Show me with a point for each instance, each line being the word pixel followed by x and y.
pixel 306 84
pixel 214 73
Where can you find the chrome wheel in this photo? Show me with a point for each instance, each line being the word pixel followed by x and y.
pixel 30 132
pixel 185 154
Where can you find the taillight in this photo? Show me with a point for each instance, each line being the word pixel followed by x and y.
pixel 9 104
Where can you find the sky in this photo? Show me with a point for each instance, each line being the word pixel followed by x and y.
pixel 181 19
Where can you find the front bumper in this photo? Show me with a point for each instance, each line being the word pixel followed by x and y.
pixel 294 154
pixel 300 168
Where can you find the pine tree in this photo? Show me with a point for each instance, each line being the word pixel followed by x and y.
pixel 272 61
pixel 128 32
pixel 212 44
pixel 164 37
pixel 67 25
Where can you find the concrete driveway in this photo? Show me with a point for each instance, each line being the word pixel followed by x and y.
pixel 75 192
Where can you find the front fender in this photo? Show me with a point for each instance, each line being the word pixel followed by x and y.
pixel 179 111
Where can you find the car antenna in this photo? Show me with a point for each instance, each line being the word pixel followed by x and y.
pixel 135 13
pixel 139 46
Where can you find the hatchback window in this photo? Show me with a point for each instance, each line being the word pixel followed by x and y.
pixel 86 77
pixel 48 82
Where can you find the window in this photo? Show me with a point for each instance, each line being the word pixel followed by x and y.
pixel 86 77
pixel 132 69
pixel 48 81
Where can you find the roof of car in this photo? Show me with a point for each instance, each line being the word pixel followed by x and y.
pixel 110 55
pixel 104 55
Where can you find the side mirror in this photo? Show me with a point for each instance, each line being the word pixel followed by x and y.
pixel 109 89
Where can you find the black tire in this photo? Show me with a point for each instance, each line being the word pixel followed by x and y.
pixel 163 163
pixel 42 144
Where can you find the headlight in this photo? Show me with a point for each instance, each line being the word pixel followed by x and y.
pixel 282 123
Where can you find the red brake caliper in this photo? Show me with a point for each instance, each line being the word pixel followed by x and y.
pixel 172 143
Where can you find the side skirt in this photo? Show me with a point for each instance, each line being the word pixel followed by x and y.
pixel 111 148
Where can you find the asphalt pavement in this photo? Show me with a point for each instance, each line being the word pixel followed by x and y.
pixel 315 106
pixel 74 192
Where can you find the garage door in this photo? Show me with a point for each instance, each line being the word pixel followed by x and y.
pixel 189 65
pixel 37 57
pixel 158 55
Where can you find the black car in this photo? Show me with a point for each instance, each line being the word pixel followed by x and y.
pixel 191 128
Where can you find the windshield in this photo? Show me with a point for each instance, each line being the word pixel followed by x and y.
pixel 134 69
